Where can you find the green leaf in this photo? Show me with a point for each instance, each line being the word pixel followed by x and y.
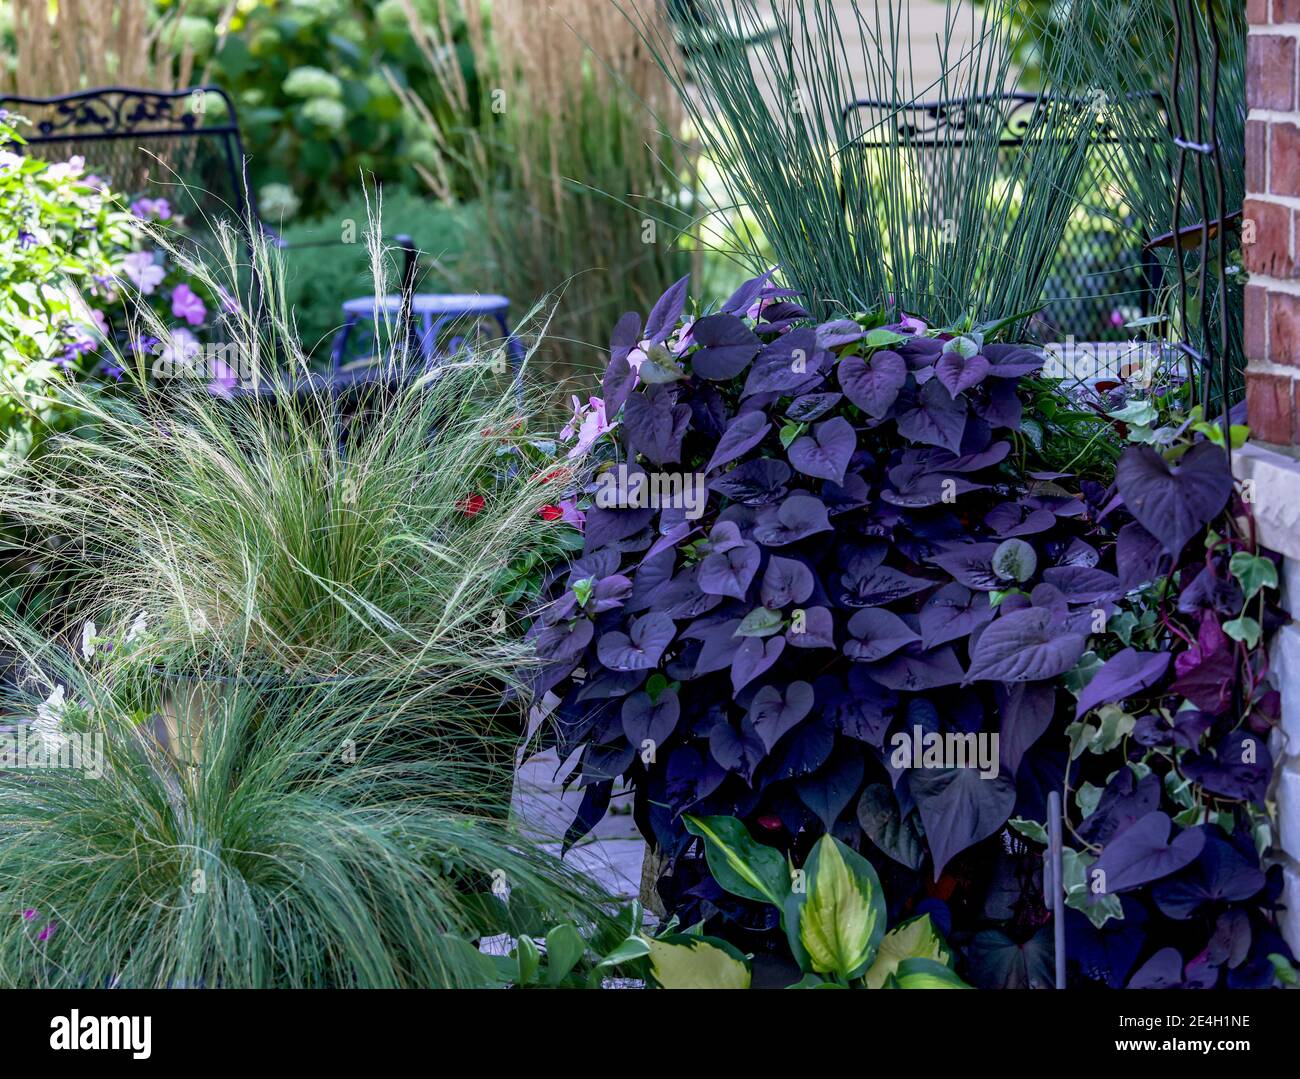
pixel 682 962
pixel 1099 909
pixel 1030 829
pixel 789 432
pixel 1087 797
pixel 740 865
pixel 925 974
pixel 629 951
pixel 1122 624
pixel 1033 430
pixel 1285 972
pixel 582 590
pixel 811 981
pixel 882 338
pixel 842 918
pixel 915 938
pixel 564 947
pixel 1014 560
pixel 528 958
pixel 1136 414
pixel 1243 629
pixel 1253 572
pixel 760 622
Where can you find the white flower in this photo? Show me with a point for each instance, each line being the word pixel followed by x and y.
pixel 139 627
pixel 49 716
pixel 88 640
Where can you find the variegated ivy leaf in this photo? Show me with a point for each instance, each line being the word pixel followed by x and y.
pixel 842 917
pixel 680 961
pixel 1253 572
pixel 1030 829
pixel 1098 909
pixel 915 938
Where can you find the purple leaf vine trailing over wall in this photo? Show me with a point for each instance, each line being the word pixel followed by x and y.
pixel 868 561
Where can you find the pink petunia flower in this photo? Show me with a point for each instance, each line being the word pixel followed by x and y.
pixel 143 271
pixel 588 423
pixel 186 304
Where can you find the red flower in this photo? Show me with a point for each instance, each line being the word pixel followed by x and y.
pixel 550 513
pixel 471 505
pixel 770 822
pixel 555 473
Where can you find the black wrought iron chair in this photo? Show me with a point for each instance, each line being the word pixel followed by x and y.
pixel 182 145
pixel 1098 282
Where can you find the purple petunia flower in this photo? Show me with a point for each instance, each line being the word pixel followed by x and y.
pixel 114 372
pixel 186 304
pixel 47 932
pixel 146 208
pixel 29 914
pixel 26 240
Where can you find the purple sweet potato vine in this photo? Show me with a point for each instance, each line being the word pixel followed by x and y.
pixel 868 560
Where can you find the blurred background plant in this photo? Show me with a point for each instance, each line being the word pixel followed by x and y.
pixel 574 159
pixel 59 48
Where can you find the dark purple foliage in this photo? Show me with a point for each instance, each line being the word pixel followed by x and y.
pixel 869 563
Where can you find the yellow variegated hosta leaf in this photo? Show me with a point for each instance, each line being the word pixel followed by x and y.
pixel 915 938
pixel 684 962
pixel 843 918
pixel 924 974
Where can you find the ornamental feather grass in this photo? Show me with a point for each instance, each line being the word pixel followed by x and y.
pixel 320 840
pixel 273 523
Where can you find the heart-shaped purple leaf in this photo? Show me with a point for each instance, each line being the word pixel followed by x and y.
pixel 667 311
pixel 727 347
pixel 728 573
pixel 785 581
pixel 797 517
pixel 937 419
pixel 641 647
pixel 1124 675
pixel 1027 645
pixel 873 385
pixel 1174 502
pixel 825 451
pixel 773 713
pixel 959 373
pixel 877 633
pixel 1143 853
pixel 645 720
pixel 742 434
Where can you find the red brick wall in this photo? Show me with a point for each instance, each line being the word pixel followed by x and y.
pixel 1269 236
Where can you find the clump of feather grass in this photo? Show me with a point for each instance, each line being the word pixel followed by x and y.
pixel 318 841
pixel 310 533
